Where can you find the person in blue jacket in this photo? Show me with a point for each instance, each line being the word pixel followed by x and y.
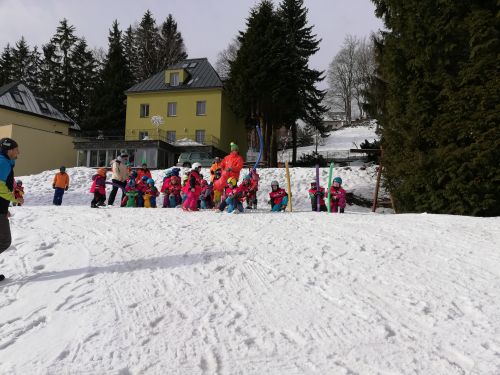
pixel 9 151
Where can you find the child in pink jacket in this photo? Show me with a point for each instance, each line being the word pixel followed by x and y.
pixel 337 196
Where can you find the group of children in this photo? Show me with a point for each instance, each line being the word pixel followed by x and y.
pixel 337 196
pixel 139 191
pixel 192 192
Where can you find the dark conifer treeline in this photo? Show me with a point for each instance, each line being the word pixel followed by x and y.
pixel 437 98
pixel 71 76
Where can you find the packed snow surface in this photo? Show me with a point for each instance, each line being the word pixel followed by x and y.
pixel 162 291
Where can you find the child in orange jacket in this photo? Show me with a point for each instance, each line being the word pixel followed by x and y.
pixel 60 185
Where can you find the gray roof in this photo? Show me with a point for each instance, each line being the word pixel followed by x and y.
pixel 201 75
pixel 31 104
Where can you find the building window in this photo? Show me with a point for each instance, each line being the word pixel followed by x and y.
pixel 17 98
pixel 201 108
pixel 174 79
pixel 143 136
pixel 43 106
pixel 171 137
pixel 172 109
pixel 144 110
pixel 200 136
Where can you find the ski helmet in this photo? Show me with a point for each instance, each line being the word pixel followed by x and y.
pixel 19 182
pixel 246 177
pixel 275 183
pixel 313 182
pixel 144 178
pixel 232 181
pixel 338 180
pixel 175 171
pixel 150 181
pixel 101 172
pixel 62 169
pixel 195 166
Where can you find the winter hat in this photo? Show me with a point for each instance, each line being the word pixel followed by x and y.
pixel 101 172
pixel 234 146
pixel 338 180
pixel 7 144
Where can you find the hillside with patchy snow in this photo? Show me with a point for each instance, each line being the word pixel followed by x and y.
pixel 338 142
pixel 162 291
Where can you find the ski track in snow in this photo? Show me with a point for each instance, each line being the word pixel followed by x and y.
pixel 140 291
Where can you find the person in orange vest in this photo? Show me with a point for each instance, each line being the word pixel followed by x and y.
pixel 60 185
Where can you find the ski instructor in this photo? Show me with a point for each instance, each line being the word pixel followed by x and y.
pixel 8 155
pixel 231 166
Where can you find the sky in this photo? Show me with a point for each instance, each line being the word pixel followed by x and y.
pixel 207 26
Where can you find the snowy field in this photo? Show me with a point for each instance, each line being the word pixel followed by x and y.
pixel 161 291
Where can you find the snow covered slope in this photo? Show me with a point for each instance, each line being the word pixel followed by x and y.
pixel 145 291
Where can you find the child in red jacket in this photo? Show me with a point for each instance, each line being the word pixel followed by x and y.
pixel 206 201
pixel 18 192
pixel 313 194
pixel 279 198
pixel 98 188
pixel 337 196
pixel 252 191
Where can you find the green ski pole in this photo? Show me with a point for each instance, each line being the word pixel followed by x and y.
pixel 330 174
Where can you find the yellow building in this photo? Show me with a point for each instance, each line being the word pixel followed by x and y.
pixel 188 103
pixel 41 130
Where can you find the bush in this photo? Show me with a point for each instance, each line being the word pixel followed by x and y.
pixel 310 160
pixel 375 145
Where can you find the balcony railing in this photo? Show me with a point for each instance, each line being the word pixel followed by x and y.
pixel 182 139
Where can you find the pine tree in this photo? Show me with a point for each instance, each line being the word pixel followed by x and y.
pixel 6 66
pixel 440 100
pixel 257 83
pixel 130 53
pixel 21 59
pixel 84 66
pixel 50 68
pixel 147 41
pixel 305 100
pixel 107 110
pixel 65 42
pixel 171 48
pixel 34 70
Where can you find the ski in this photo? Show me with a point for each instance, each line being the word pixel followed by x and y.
pixel 289 187
pixel 317 187
pixel 330 175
